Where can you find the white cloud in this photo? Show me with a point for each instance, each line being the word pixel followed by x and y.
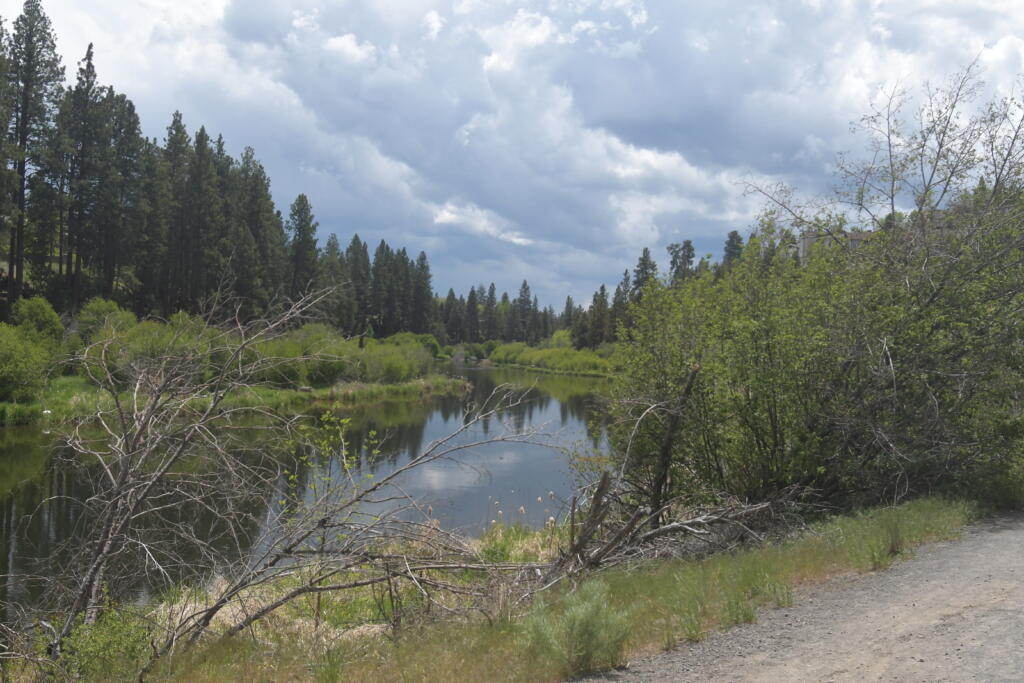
pixel 349 47
pixel 433 22
pixel 508 41
pixel 479 221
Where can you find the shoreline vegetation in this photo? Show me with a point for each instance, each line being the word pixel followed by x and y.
pixel 596 624
pixel 317 364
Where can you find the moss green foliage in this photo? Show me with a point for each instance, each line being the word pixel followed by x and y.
pixel 23 362
pixel 581 634
pixel 36 318
pixel 313 357
pixel 595 625
pixel 113 649
pixel 99 312
pixel 555 359
pixel 844 373
pixel 320 357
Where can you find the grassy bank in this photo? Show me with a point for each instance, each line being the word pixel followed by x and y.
pixel 351 393
pixel 69 397
pixel 555 359
pixel 612 616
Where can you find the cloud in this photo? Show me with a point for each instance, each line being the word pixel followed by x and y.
pixel 545 139
pixel 433 23
pixel 479 221
pixel 349 47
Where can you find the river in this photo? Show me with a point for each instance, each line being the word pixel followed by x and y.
pixel 512 482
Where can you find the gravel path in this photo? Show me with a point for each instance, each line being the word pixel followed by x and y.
pixel 953 613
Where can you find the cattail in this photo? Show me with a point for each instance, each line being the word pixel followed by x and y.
pixel 522 510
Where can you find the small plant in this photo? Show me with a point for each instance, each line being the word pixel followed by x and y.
pixel 586 633
pixel 114 648
pixel 739 610
pixel 780 594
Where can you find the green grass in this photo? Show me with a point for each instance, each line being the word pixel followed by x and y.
pixel 348 394
pixel 611 616
pixel 74 396
pixel 560 359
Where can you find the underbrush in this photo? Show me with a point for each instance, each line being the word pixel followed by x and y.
pixel 567 360
pixel 570 630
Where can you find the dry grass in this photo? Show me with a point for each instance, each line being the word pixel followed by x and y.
pixel 661 604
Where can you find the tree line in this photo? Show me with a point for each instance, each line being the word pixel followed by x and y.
pixel 91 207
pixel 605 321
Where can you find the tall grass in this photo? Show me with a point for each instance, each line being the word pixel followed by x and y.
pixel 602 621
pixel 558 359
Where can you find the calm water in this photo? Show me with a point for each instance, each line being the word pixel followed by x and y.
pixel 38 495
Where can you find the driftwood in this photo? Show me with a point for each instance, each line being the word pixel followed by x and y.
pixel 604 540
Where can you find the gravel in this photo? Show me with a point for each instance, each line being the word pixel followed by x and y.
pixel 954 612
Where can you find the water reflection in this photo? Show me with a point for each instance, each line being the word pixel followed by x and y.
pixel 40 491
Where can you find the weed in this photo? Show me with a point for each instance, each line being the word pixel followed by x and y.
pixel 586 634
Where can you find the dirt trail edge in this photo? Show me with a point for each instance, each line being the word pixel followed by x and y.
pixel 955 612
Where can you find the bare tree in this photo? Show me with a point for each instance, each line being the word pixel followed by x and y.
pixel 176 441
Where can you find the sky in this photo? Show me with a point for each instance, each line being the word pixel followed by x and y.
pixel 550 140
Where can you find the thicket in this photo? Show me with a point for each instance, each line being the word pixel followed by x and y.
pixel 844 365
pixel 556 359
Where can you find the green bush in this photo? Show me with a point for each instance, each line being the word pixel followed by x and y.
pixel 36 318
pixel 22 365
pixel 113 648
pixel 98 312
pixel 587 633
pixel 559 359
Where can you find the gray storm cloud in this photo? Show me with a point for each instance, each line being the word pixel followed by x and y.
pixel 547 140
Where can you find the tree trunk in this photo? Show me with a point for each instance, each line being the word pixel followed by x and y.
pixel 665 452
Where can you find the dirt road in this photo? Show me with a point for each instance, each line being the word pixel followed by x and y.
pixel 955 612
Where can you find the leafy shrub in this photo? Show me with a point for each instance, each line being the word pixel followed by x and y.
pixel 561 359
pixel 98 312
pixel 585 633
pixel 39 322
pixel 113 648
pixel 22 365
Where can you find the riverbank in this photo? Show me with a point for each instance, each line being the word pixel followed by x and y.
pixel 558 359
pixel 74 396
pixel 613 616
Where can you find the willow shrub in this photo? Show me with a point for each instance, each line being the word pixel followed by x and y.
pixel 557 359
pixel 23 362
pixel 850 374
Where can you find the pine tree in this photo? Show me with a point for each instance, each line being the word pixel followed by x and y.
pixel 86 123
pixel 338 309
pixel 422 314
pixel 733 249
pixel 454 318
pixel 358 258
pixel 600 323
pixel 472 319
pixel 302 246
pixel 568 313
pixel 489 317
pixel 262 221
pixel 178 155
pixel 645 271
pixel 619 314
pixel 35 76
pixel 682 256
pixel 521 312
pixel 150 236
